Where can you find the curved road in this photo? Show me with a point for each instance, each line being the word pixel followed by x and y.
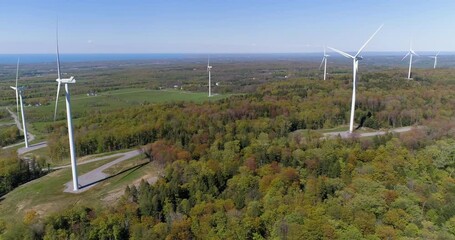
pixel 90 179
pixel 31 137
pixel 346 134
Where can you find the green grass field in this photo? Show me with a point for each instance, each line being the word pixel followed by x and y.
pixel 45 195
pixel 125 165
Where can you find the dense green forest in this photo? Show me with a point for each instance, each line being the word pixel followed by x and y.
pixel 276 109
pixel 242 168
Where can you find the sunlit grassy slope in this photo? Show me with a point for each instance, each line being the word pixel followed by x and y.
pixel 45 195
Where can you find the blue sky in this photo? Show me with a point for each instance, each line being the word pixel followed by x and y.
pixel 224 26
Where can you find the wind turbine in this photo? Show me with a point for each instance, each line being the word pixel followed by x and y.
pixel 324 61
pixel 410 53
pixel 435 59
pixel 19 93
pixel 355 67
pixel 66 81
pixel 209 68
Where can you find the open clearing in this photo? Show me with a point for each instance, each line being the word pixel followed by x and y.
pixel 45 195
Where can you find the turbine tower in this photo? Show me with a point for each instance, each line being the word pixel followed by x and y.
pixel 355 67
pixel 435 59
pixel 19 93
pixel 324 61
pixel 410 53
pixel 209 68
pixel 66 81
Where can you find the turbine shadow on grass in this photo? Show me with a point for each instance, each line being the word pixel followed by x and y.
pixel 134 168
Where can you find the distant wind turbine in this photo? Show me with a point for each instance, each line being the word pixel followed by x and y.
pixel 410 53
pixel 209 68
pixel 19 93
pixel 324 61
pixel 60 80
pixel 435 59
pixel 355 67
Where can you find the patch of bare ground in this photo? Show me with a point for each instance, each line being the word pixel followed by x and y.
pixel 151 177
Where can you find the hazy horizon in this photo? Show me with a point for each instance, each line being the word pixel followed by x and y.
pixel 31 58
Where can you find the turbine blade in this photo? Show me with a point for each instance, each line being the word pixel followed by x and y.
pixel 437 54
pixel 56 101
pixel 17 71
pixel 58 53
pixel 412 51
pixel 341 52
pixel 405 56
pixel 321 63
pixel 17 94
pixel 365 44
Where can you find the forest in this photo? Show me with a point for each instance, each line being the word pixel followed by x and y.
pixel 255 166
pixel 15 171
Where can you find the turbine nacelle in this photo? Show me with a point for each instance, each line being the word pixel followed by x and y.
pixel 435 57
pixel 412 52
pixel 66 80
pixel 19 89
pixel 208 64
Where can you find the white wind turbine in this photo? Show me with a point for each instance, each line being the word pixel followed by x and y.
pixel 209 68
pixel 66 81
pixel 19 93
pixel 355 67
pixel 435 59
pixel 410 53
pixel 324 61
